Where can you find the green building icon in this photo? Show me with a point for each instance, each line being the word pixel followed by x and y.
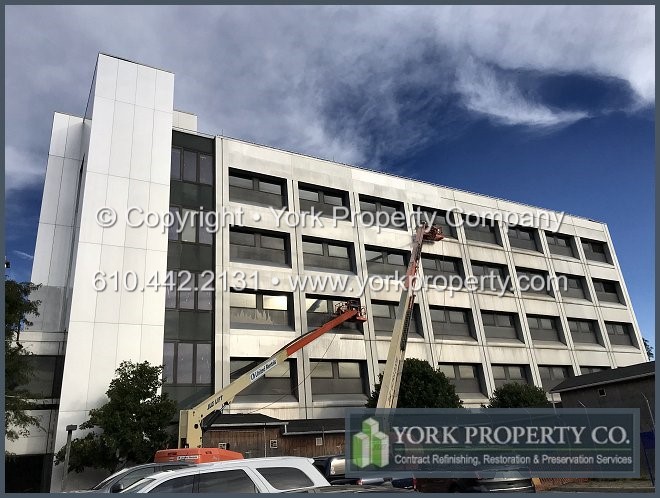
pixel 370 446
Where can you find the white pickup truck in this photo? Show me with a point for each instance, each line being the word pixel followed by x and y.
pixel 254 475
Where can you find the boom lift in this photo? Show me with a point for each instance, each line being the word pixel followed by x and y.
pixel 389 388
pixel 190 421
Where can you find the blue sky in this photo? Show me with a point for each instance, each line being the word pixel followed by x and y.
pixel 551 106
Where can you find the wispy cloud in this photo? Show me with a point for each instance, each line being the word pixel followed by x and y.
pixel 24 255
pixel 362 85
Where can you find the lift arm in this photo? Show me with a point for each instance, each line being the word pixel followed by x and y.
pixel 190 421
pixel 389 388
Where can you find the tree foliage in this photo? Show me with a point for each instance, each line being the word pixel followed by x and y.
pixel 649 348
pixel 133 423
pixel 18 369
pixel 515 395
pixel 421 387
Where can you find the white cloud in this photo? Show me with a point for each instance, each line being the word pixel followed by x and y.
pixel 486 92
pixel 24 255
pixel 357 84
pixel 23 169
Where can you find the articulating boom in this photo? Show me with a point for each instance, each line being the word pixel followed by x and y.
pixel 190 421
pixel 389 389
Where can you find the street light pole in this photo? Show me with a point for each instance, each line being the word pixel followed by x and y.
pixel 69 431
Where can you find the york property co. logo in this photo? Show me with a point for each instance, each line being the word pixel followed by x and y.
pixel 370 446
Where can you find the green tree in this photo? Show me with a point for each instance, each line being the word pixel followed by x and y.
pixel 18 369
pixel 421 387
pixel 649 348
pixel 515 395
pixel 133 422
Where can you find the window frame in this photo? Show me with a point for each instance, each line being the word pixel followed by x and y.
pixel 325 249
pixel 259 308
pixel 257 179
pixel 516 242
pixel 258 246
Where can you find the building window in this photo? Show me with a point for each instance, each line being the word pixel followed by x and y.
pixel 523 238
pixel 255 246
pixel 46 379
pixel 560 244
pixel 481 229
pixel 451 322
pixel 607 291
pixel 595 250
pixel 601 392
pixel 191 166
pixel 337 377
pixel 385 214
pixel 534 282
pixel 500 325
pixel 329 203
pixel 440 218
pixel 193 257
pixel 544 328
pixel 588 370
pixel 494 283
pixel 320 309
pixel 466 378
pixel 189 225
pixel 572 286
pixel 385 262
pixel 509 374
pixel 383 314
pixel 320 255
pixel 553 375
pixel 440 266
pixel 189 291
pixel 260 310
pixel 620 334
pixel 260 190
pixel 583 331
pixel 188 363
pixel 278 382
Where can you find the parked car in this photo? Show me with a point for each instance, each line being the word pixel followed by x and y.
pixel 352 488
pixel 498 480
pixel 124 478
pixel 333 468
pixel 255 475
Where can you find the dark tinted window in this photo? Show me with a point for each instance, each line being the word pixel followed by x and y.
pixel 451 322
pixel 189 363
pixel 46 380
pixel 543 328
pixel 385 262
pixel 324 201
pixel 499 275
pixel 260 310
pixel 278 381
pixel 259 190
pixel 553 375
pixel 384 317
pixel 572 286
pixel 324 256
pixel 533 281
pixel 182 484
pixel 465 377
pixel 500 325
pixel 560 244
pixel 442 266
pixel 607 291
pixel 285 477
pixel 523 238
pixel 321 308
pixel 192 166
pixel 337 377
pixel 481 229
pixel 619 333
pixel 595 251
pixel 583 331
pixel 507 374
pixel 226 481
pixel 134 476
pixel 254 246
pixel 393 214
